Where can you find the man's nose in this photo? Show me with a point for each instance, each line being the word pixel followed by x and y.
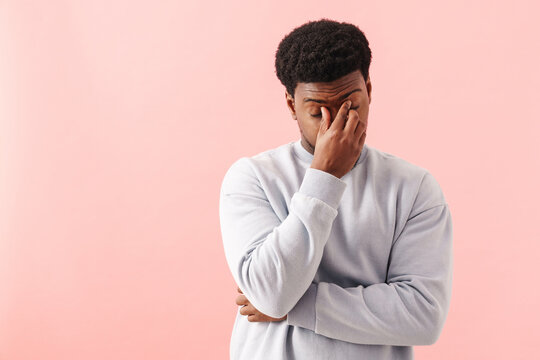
pixel 333 111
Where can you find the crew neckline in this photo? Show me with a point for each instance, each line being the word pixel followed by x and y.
pixel 305 155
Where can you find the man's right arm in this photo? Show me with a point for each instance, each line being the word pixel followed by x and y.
pixel 272 261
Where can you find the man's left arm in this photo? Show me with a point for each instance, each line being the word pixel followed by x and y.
pixel 410 308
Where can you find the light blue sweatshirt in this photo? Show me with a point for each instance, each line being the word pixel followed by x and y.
pixel 361 265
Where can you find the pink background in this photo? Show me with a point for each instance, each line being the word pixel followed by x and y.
pixel 118 120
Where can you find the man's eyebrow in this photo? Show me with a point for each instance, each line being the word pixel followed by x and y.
pixel 341 98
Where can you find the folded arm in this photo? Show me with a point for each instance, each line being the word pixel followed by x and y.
pixel 274 261
pixel 410 308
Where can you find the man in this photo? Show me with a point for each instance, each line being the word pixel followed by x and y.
pixel 339 250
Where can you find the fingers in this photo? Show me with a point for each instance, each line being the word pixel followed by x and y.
pixel 241 300
pixel 362 139
pixel 352 122
pixel 254 315
pixel 247 310
pixel 360 126
pixel 362 130
pixel 240 291
pixel 339 121
pixel 325 122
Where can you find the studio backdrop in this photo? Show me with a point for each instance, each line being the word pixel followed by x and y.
pixel 118 120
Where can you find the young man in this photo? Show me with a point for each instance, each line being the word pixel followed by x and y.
pixel 340 250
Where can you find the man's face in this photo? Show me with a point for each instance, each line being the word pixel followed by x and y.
pixel 309 97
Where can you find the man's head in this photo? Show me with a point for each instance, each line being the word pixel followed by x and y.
pixel 323 63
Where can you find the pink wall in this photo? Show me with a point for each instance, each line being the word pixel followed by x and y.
pixel 118 120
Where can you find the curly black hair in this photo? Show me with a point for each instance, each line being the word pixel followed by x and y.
pixel 321 51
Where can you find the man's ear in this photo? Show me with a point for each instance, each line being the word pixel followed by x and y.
pixel 368 88
pixel 290 104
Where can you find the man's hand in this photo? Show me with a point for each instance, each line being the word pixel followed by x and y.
pixel 253 314
pixel 339 143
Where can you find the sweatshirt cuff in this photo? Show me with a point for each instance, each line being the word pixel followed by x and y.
pixel 303 313
pixel 323 186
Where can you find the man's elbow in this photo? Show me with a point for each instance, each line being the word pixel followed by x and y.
pixel 267 302
pixel 274 306
pixel 269 307
pixel 431 333
pixel 432 336
pixel 267 294
pixel 277 312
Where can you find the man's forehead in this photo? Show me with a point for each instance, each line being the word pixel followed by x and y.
pixel 321 97
pixel 343 86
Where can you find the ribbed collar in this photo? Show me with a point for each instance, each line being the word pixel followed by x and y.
pixel 305 155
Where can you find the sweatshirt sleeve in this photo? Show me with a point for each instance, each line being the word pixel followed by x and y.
pixel 408 309
pixel 273 261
